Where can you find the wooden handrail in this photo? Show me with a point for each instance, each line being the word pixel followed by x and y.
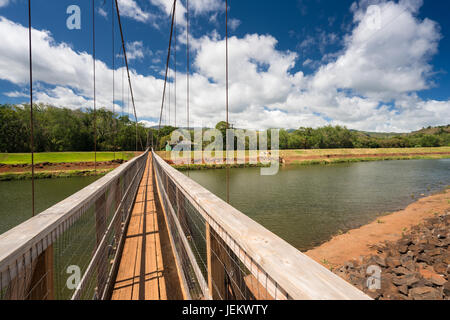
pixel 28 240
pixel 295 273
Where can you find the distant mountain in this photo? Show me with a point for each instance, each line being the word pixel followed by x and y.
pixel 425 131
pixel 433 130
pixel 379 134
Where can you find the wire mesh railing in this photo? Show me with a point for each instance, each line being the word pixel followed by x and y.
pixel 224 255
pixel 71 250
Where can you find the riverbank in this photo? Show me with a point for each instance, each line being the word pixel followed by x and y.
pixel 416 267
pixel 13 176
pixel 57 167
pixel 362 241
pixel 197 167
pixel 411 247
pixel 17 166
pixel 318 157
pixel 9 172
pixel 311 157
pixel 63 157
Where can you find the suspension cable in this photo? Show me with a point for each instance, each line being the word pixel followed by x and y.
pixel 187 84
pixel 175 64
pixel 128 102
pixel 123 99
pixel 167 66
pixel 113 78
pixel 226 85
pixel 95 98
pixel 31 109
pixel 187 66
pixel 226 58
pixel 170 97
pixel 128 71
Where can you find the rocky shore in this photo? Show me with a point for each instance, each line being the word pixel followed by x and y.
pixel 416 267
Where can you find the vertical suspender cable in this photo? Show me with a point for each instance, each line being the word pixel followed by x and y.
pixel 95 98
pixel 187 65
pixel 31 109
pixel 128 102
pixel 170 98
pixel 187 82
pixel 226 85
pixel 175 62
pixel 123 102
pixel 226 57
pixel 113 77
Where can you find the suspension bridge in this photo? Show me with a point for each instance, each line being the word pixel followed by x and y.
pixel 147 232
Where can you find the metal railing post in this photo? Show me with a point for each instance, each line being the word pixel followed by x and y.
pixel 100 228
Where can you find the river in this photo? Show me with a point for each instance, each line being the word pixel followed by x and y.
pixel 15 197
pixel 307 205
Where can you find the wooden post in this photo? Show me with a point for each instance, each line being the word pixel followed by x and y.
pixel 217 261
pixel 167 185
pixel 225 278
pixel 41 286
pixel 177 193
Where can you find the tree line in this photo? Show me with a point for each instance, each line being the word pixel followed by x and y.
pixel 330 137
pixel 338 137
pixel 62 129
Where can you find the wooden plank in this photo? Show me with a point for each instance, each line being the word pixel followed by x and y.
pixel 41 285
pixel 152 273
pixel 141 269
pixel 123 287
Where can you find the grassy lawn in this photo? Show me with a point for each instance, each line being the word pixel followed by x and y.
pixel 52 174
pixel 58 157
pixel 324 152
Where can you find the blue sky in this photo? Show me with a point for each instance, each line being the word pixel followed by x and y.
pixel 370 65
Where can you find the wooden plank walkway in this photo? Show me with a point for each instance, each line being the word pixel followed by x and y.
pixel 141 273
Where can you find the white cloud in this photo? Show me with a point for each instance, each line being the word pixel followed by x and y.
pixel 68 72
pixel 4 3
pixel 149 124
pixel 130 9
pixel 197 7
pixel 135 50
pixel 16 94
pixel 203 6
pixel 386 61
pixel 62 96
pixel 371 85
pixel 102 12
pixel 234 23
pixel 307 62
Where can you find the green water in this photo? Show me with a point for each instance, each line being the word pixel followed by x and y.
pixel 307 205
pixel 15 197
